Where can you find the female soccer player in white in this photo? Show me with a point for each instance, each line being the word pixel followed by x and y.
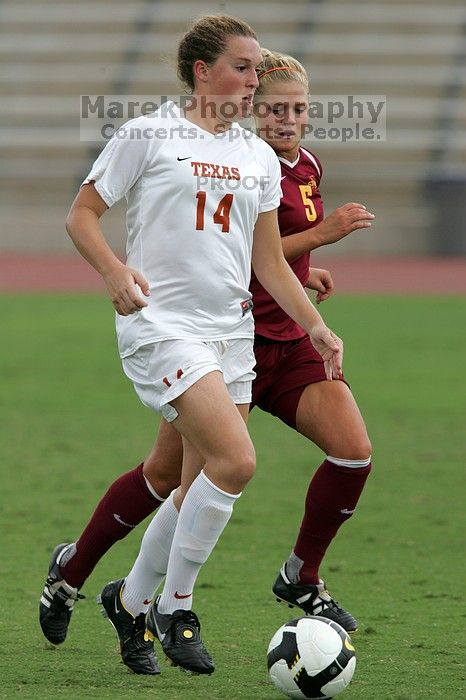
pixel 202 197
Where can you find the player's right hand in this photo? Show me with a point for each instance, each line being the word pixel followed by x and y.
pixel 125 285
pixel 350 217
pixel 330 348
pixel 321 281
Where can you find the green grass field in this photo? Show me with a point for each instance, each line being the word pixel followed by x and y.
pixel 71 423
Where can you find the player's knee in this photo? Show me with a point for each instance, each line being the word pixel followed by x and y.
pixel 239 470
pixel 164 487
pixel 361 448
pixel 163 477
pixel 357 447
pixel 247 467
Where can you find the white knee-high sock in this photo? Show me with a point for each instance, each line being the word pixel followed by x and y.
pixel 205 511
pixel 150 567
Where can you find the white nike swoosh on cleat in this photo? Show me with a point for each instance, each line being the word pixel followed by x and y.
pixel 160 635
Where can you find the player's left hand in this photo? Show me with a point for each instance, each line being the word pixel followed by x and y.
pixel 321 281
pixel 330 347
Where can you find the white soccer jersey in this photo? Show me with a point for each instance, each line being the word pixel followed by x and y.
pixel 193 200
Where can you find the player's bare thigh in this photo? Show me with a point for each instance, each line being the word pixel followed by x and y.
pixel 328 415
pixel 216 429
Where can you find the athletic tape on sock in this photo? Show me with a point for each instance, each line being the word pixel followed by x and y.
pixel 152 490
pixel 351 463
pixel 210 521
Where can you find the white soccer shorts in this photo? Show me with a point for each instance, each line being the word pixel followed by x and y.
pixel 164 370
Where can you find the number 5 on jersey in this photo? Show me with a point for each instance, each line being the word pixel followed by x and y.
pixel 306 196
pixel 221 214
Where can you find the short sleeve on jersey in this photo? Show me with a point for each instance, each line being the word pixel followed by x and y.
pixel 119 166
pixel 271 193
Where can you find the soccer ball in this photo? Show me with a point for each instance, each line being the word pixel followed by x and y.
pixel 311 657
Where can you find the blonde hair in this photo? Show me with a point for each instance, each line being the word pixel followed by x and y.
pixel 276 67
pixel 206 40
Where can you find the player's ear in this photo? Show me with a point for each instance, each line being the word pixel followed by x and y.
pixel 200 71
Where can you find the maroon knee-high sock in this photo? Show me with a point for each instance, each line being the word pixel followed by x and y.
pixel 127 502
pixel 331 499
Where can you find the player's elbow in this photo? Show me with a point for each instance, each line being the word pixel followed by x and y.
pixel 267 268
pixel 70 222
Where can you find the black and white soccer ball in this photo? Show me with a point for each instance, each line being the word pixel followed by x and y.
pixel 311 657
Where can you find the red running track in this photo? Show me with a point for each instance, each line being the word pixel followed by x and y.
pixel 355 275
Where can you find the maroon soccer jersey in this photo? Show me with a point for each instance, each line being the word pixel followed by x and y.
pixel 301 208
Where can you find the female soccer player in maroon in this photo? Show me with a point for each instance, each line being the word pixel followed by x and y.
pixel 290 380
pixel 290 383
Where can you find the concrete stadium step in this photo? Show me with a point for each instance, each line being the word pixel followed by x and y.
pixel 45 228
pixel 114 44
pixel 152 73
pixel 405 50
pixel 67 139
pixel 38 110
pixel 90 13
pixel 32 228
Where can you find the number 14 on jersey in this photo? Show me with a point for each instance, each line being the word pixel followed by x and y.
pixel 221 215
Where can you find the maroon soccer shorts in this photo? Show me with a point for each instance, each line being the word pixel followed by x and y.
pixel 284 370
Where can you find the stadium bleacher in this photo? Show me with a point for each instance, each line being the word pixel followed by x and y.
pixel 413 52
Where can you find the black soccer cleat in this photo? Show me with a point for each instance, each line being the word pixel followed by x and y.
pixel 136 646
pixel 314 599
pixel 179 636
pixel 57 600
